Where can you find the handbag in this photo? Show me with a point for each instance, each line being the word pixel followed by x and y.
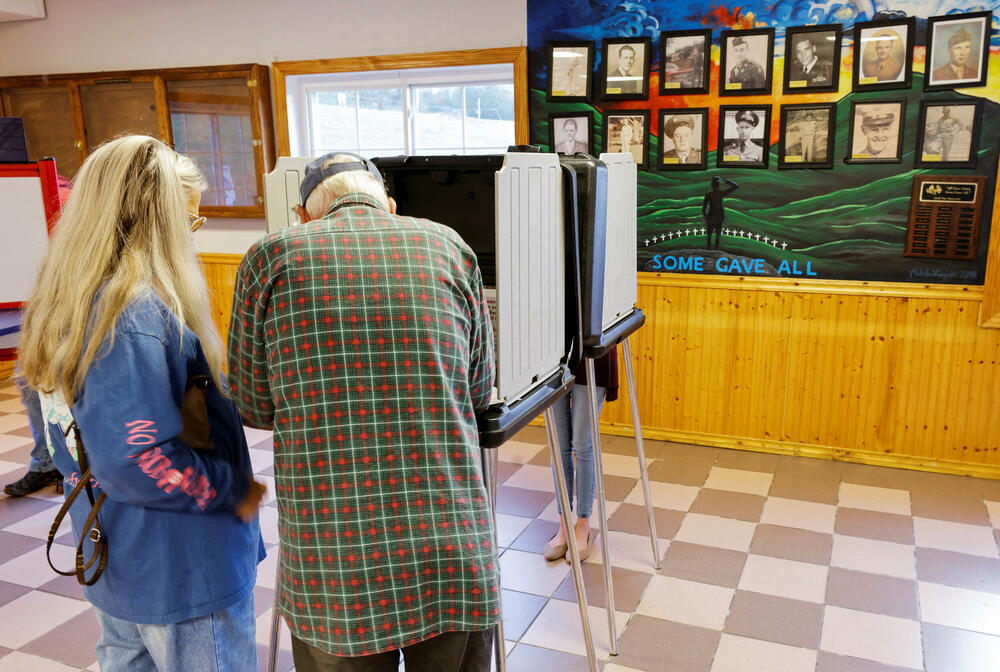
pixel 93 524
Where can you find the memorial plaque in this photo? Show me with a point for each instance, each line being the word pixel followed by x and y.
pixel 945 216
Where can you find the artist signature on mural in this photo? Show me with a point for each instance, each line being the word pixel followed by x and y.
pixel 942 274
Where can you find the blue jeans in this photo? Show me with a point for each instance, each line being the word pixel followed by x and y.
pixel 573 429
pixel 224 641
pixel 40 458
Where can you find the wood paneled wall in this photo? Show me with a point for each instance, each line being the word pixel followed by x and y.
pixel 888 374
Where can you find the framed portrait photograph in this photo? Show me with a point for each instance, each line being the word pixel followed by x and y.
pixel 683 138
pixel 958 50
pixel 571 67
pixel 571 132
pixel 807 135
pixel 625 68
pixel 745 68
pixel 744 136
pixel 948 134
pixel 684 61
pixel 876 132
pixel 812 59
pixel 883 54
pixel 627 131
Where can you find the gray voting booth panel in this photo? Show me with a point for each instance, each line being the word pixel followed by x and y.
pixel 530 324
pixel 620 290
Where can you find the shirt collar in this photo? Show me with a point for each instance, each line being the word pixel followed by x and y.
pixel 353 198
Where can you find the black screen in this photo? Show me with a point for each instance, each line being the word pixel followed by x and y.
pixel 13 144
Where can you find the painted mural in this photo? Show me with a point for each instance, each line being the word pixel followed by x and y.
pixel 848 221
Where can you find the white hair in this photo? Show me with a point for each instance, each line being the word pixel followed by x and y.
pixel 341 184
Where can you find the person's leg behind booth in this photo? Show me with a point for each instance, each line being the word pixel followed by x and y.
pixel 41 471
pixel 583 453
pixel 555 548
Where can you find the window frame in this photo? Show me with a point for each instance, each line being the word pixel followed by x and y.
pixel 261 121
pixel 516 56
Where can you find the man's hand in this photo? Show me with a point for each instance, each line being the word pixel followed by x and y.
pixel 247 508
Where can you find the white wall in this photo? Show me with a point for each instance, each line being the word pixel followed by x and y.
pixel 89 35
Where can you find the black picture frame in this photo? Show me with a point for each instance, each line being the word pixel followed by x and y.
pixel 941 31
pixel 877 110
pixel 812 152
pixel 689 73
pixel 584 120
pixel 572 90
pixel 762 57
pixel 824 75
pixel 972 127
pixel 668 159
pixel 634 87
pixel 872 71
pixel 612 131
pixel 727 154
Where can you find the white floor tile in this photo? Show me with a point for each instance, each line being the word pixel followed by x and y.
pixel 32 570
pixel 260 459
pixel 960 608
pixel 558 627
pixel 7 467
pixel 886 500
pixel 13 421
pixel 11 442
pixel 665 495
pixel 799 514
pixel 530 573
pixel 611 667
pixel 263 634
pixel 14 405
pixel 992 507
pixel 628 551
pixel 697 528
pixel 269 524
pixel 958 537
pixel 551 512
pixel 785 578
pixel 884 639
pixel 520 452
pixel 739 480
pixel 18 661
pixel 510 527
pixel 874 557
pixel 742 654
pixel 255 436
pixel 267 569
pixel 532 477
pixel 687 602
pixel 32 615
pixel 38 525
pixel 626 466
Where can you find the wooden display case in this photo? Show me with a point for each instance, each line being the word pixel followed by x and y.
pixel 220 116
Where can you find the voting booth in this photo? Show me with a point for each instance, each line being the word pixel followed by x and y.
pixel 29 207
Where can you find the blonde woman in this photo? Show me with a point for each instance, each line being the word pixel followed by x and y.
pixel 118 324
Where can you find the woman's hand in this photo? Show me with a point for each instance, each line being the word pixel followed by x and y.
pixel 247 508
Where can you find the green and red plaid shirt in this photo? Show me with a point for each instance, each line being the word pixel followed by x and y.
pixel 364 340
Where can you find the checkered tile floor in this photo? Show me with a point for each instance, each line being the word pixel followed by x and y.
pixel 770 564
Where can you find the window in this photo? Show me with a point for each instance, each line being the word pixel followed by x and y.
pixel 454 110
pixel 454 102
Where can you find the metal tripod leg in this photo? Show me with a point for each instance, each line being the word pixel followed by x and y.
pixel 640 451
pixel 595 430
pixel 574 552
pixel 490 456
pixel 272 652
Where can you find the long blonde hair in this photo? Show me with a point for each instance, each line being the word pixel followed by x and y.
pixel 124 232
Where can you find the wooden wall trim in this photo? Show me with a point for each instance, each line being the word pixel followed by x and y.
pixel 989 316
pixel 793 286
pixel 518 56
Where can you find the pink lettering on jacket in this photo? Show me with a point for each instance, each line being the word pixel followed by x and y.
pixel 158 466
pixel 141 432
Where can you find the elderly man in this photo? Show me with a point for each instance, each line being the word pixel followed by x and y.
pixel 680 130
pixel 743 147
pixel 958 67
pixel 884 67
pixel 363 339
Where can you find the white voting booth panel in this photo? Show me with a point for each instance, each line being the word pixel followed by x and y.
pixel 25 234
pixel 620 286
pixel 530 325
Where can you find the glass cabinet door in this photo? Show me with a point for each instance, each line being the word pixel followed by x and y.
pixel 48 123
pixel 114 109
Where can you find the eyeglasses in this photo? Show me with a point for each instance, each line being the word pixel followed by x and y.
pixel 196 221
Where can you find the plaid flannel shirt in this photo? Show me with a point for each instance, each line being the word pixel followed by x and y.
pixel 364 340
